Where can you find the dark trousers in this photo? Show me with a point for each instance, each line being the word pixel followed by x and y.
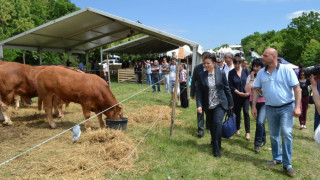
pixel 138 77
pixel 215 117
pixel 106 78
pixel 155 81
pixel 200 121
pixel 316 113
pixel 184 95
pixel 304 109
pixel 244 104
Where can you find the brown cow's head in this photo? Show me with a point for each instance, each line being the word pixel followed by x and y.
pixel 115 113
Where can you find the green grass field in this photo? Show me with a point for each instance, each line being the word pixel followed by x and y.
pixel 185 156
pixel 99 153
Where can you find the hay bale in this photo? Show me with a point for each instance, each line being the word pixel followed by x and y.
pixel 148 114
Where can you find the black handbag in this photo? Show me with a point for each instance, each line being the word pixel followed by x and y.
pixel 311 101
pixel 229 126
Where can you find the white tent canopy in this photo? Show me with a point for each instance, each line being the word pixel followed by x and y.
pixel 83 31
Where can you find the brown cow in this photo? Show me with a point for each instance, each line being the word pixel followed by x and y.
pixel 90 91
pixel 17 79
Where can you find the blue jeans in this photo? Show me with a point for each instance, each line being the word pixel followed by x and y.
pixel 281 120
pixel 316 113
pixel 260 136
pixel 148 79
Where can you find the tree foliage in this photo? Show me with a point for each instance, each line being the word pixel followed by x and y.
pixel 17 16
pixel 297 43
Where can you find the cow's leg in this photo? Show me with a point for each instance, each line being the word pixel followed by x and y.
pixel 4 103
pixel 102 123
pixel 86 114
pixel 6 117
pixel 57 105
pixel 47 103
pixel 60 111
pixel 16 101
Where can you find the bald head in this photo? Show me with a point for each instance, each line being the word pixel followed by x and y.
pixel 270 56
pixel 272 52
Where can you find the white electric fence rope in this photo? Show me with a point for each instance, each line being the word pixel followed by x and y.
pixel 5 162
pixel 141 141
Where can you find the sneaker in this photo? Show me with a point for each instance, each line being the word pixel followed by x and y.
pixel 273 162
pixel 256 149
pixel 301 127
pixel 290 171
pixel 304 127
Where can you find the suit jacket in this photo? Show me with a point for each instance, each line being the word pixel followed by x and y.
pixel 202 89
pixel 196 71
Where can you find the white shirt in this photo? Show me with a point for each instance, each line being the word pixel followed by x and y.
pixel 227 69
pixel 105 67
pixel 172 74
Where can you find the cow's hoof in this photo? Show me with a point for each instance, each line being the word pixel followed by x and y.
pixel 53 125
pixel 8 123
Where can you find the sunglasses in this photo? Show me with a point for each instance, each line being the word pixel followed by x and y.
pixel 236 62
pixel 219 61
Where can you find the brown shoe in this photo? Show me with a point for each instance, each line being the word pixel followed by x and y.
pixel 290 171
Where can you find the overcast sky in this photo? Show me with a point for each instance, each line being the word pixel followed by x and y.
pixel 210 23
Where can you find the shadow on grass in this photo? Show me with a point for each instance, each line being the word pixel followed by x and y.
pixel 253 159
pixel 193 143
pixel 33 117
pixel 302 137
pixel 45 125
pixel 240 142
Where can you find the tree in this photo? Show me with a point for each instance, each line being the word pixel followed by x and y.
pixel 299 33
pixel 311 54
pixel 16 17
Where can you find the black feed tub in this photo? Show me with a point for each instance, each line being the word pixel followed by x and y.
pixel 117 124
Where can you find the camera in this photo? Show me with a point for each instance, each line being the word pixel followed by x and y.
pixel 315 70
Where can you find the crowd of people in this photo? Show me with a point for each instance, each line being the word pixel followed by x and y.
pixel 273 90
pixel 162 71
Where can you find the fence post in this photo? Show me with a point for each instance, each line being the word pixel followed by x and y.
pixel 173 113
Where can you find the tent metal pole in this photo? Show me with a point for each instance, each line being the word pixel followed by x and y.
pixel 40 56
pixel 101 56
pixel 87 61
pixel 1 52
pixel 194 57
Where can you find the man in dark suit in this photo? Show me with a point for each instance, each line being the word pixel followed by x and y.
pixel 200 117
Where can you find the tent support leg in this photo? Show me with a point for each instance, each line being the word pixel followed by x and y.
pixel 194 57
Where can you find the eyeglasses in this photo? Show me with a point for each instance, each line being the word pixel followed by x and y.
pixel 219 61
